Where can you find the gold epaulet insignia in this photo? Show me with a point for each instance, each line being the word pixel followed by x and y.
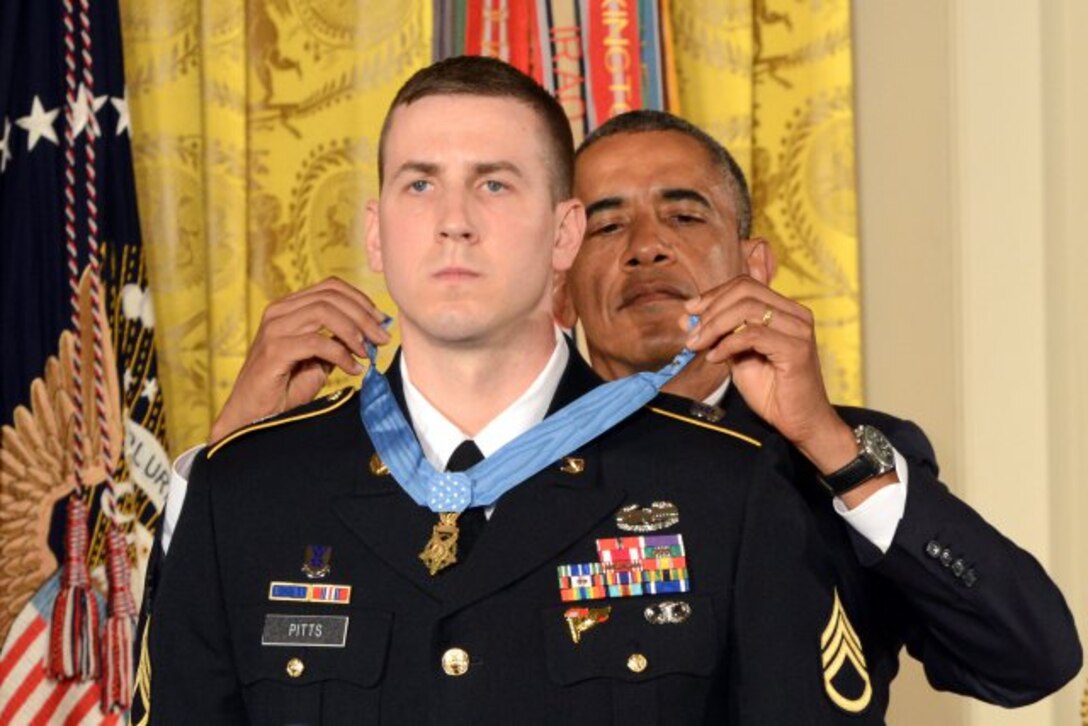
pixel 694 421
pixel 840 647
pixel 323 405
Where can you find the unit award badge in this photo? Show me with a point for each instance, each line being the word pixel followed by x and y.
pixel 316 564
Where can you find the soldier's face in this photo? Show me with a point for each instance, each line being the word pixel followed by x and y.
pixel 466 231
pixel 661 228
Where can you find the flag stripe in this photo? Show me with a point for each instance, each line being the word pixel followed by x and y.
pixel 21 645
pixel 19 696
pixel 89 701
pixel 56 694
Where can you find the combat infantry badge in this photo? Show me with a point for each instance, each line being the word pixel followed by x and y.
pixel 658 515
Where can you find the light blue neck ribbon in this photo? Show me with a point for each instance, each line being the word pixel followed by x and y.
pixel 556 436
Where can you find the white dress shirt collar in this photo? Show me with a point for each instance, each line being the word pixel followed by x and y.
pixel 438 436
pixel 715 399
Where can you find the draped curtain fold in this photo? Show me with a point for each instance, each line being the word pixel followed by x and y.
pixel 772 81
pixel 255 131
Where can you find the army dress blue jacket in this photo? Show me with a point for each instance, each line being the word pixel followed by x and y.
pixel 760 632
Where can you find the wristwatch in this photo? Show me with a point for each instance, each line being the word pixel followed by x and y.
pixel 875 457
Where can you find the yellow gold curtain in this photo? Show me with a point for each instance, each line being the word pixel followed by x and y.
pixel 771 79
pixel 255 127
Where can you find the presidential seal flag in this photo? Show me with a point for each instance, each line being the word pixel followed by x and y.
pixel 83 468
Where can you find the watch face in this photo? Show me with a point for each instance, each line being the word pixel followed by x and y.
pixel 876 446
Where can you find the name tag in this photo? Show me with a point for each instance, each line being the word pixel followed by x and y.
pixel 314 631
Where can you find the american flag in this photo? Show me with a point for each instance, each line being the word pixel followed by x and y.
pixel 28 696
pixel 83 466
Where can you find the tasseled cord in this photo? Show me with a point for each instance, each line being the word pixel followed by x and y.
pixel 73 636
pixel 116 684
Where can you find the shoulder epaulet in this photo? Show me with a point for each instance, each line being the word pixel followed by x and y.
pixel 698 414
pixel 317 407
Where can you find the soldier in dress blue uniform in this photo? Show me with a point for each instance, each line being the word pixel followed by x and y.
pixel 628 581
pixel 910 563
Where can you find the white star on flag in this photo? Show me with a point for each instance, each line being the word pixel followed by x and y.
pixel 128 378
pixel 151 387
pixel 83 110
pixel 38 123
pixel 121 104
pixel 5 146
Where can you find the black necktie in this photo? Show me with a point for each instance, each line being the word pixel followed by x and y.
pixel 465 456
pixel 472 520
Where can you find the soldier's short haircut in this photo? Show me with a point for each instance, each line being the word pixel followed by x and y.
pixel 491 78
pixel 636 122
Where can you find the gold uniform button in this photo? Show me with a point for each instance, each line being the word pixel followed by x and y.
pixel 295 667
pixel 636 663
pixel 455 662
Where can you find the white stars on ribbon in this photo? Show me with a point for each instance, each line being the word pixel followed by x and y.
pixel 121 104
pixel 151 388
pixel 38 124
pixel 449 491
pixel 84 109
pixel 5 146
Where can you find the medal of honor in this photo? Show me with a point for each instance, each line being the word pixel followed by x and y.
pixel 441 549
pixel 552 439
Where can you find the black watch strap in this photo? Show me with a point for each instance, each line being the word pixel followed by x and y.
pixel 875 457
pixel 851 476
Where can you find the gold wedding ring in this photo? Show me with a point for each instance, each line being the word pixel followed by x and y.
pixel 768 316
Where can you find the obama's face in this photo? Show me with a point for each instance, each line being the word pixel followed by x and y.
pixel 661 228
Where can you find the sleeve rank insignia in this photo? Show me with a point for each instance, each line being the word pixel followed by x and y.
pixel 846 679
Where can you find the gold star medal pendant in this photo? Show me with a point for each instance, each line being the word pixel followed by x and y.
pixel 441 549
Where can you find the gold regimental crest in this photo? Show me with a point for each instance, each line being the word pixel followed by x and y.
pixel 573 465
pixel 377 466
pixel 840 648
